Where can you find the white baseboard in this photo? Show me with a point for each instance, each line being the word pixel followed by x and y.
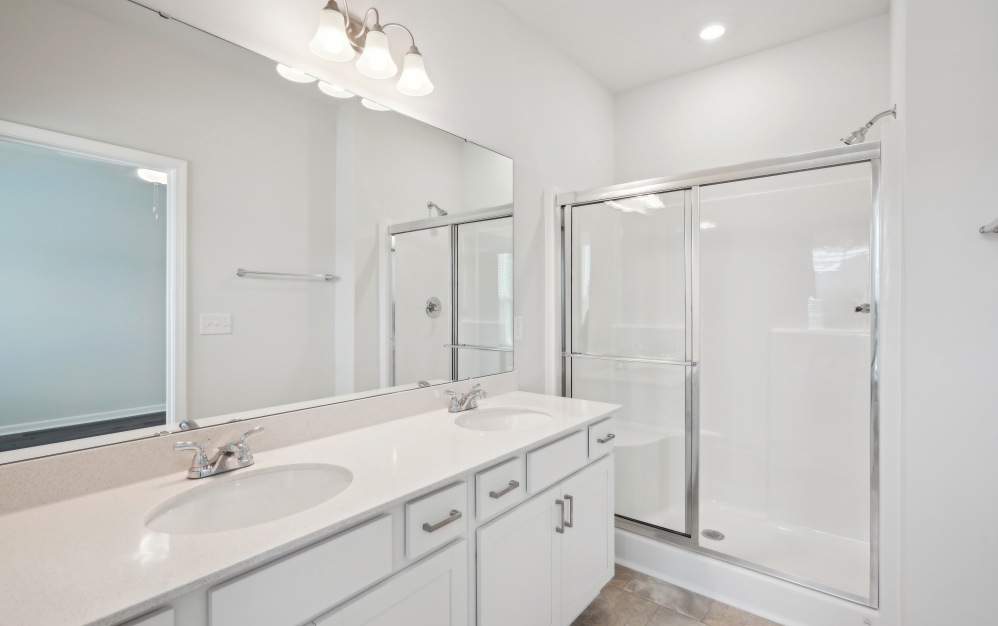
pixel 73 420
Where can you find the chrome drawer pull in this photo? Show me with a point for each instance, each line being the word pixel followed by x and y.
pixel 608 437
pixel 454 516
pixel 571 512
pixel 560 528
pixel 498 494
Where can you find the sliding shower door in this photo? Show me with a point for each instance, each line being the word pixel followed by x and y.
pixel 421 306
pixel 785 380
pixel 627 342
pixel 484 266
pixel 733 315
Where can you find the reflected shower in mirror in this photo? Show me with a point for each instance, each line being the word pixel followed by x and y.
pixel 280 178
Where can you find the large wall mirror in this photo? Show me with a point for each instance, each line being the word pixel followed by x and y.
pixel 187 235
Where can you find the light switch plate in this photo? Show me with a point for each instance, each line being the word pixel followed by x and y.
pixel 518 328
pixel 216 323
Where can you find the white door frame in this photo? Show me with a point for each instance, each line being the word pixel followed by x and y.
pixel 176 241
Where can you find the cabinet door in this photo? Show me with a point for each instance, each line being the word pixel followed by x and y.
pixel 433 592
pixel 518 565
pixel 586 545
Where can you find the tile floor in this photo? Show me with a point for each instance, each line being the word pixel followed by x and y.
pixel 634 599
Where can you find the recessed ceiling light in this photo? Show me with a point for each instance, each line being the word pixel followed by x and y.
pixel 712 32
pixel 294 75
pixel 332 90
pixel 706 225
pixel 374 106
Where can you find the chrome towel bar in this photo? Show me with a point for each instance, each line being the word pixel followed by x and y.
pixel 327 277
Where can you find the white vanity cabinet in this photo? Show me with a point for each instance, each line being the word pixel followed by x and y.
pixel 543 562
pixel 527 541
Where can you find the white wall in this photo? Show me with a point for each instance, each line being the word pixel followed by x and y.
pixel 795 98
pixel 949 559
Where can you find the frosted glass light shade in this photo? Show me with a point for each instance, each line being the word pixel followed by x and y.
pixel 414 81
pixel 376 60
pixel 332 90
pixel 295 76
pixel 331 41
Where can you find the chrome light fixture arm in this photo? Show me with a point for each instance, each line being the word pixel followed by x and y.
pixel 369 40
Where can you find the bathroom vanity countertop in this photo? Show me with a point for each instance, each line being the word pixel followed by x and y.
pixel 91 560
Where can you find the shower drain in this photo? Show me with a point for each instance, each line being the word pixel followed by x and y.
pixel 716 535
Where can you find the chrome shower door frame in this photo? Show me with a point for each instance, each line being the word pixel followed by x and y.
pixel 452 222
pixel 691 183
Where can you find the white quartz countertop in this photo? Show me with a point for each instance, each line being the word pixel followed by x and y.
pixel 91 560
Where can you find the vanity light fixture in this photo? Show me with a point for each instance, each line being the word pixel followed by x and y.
pixel 338 38
pixel 712 32
pixel 295 76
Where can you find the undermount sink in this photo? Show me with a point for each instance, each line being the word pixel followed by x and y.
pixel 249 499
pixel 502 418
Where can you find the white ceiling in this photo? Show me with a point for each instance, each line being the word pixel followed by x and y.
pixel 628 43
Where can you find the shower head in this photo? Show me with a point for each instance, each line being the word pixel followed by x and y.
pixel 859 135
pixel 430 206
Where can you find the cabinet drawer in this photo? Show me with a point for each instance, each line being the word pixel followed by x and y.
pixel 501 487
pixel 548 465
pixel 435 519
pixel 306 583
pixel 601 438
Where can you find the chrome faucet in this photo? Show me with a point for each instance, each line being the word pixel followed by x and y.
pixel 231 456
pixel 466 402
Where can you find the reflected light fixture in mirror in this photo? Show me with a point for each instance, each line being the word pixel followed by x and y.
pixel 338 39
pixel 332 90
pixel 295 76
pixel 152 176
pixel 374 106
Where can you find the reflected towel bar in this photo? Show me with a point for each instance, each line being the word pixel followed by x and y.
pixel 465 346
pixel 628 359
pixel 327 277
pixel 991 227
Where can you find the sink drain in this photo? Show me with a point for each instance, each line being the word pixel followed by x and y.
pixel 716 535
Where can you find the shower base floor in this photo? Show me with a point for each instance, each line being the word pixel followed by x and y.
pixel 833 561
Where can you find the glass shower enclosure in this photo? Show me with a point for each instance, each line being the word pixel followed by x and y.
pixel 451 298
pixel 733 314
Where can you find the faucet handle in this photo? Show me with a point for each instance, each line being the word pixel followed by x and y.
pixel 249 433
pixel 241 448
pixel 200 458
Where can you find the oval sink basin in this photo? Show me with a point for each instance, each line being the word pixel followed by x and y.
pixel 249 499
pixel 502 418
